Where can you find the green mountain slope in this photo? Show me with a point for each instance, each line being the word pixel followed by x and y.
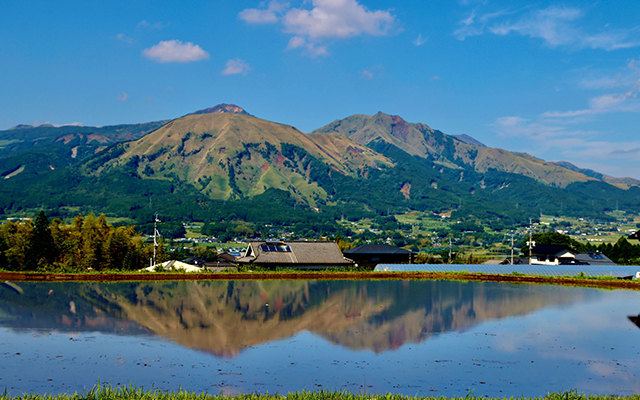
pixel 224 165
pixel 233 154
pixel 420 140
pixel 26 150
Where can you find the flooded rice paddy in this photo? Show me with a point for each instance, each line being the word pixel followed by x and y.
pixel 410 337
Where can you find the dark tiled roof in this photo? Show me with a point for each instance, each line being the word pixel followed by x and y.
pixel 306 253
pixel 550 249
pixel 594 259
pixel 377 249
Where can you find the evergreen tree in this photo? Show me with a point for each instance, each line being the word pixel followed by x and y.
pixel 42 250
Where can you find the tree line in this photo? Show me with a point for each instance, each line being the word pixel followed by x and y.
pixel 88 243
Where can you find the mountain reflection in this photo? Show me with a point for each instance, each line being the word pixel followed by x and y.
pixel 225 317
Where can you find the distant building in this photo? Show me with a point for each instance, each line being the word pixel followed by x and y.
pixel 303 255
pixel 560 255
pixel 546 254
pixel 370 255
pixel 224 261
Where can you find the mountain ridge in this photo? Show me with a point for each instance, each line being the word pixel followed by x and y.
pixel 230 154
pixel 418 139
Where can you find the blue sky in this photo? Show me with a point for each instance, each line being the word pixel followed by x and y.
pixel 557 80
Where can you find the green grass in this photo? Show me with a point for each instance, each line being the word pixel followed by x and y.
pixel 133 393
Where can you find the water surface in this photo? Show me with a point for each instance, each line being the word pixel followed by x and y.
pixel 410 337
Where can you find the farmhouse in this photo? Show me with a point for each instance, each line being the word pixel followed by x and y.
pixel 294 254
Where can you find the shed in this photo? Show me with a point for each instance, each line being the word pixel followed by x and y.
pixel 370 255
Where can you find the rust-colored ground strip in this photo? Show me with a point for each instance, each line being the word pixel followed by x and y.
pixel 116 277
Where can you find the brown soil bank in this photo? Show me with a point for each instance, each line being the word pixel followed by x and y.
pixel 118 277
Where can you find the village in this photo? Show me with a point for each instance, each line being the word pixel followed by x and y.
pixel 427 241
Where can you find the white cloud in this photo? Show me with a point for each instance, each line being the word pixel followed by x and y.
pixel 269 15
pixel 235 67
pixel 313 49
pixel 124 38
pixel 551 24
pixel 557 26
pixel 38 123
pixel 123 97
pixel 419 41
pixel 171 51
pixel 626 101
pixel 156 25
pixel 325 20
pixel 366 74
pixel 554 132
pixel 472 25
pixel 337 19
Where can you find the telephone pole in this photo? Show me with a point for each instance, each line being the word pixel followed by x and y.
pixel 155 238
pixel 511 248
pixel 530 239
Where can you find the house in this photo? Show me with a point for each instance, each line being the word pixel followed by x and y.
pixel 561 255
pixel 590 258
pixel 594 258
pixel 294 254
pixel 224 261
pixel 547 254
pixel 370 255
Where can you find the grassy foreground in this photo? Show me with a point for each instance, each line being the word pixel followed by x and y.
pixel 131 393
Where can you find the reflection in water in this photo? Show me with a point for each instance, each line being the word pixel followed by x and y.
pixel 225 317
pixel 409 337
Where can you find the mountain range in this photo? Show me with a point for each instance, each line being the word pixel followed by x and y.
pixel 373 162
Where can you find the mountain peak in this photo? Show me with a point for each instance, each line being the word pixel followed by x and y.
pixel 21 126
pixel 222 108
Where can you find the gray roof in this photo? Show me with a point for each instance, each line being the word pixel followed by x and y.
pixel 377 249
pixel 306 253
pixel 594 258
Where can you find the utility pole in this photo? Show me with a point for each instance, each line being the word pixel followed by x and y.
pixel 511 248
pixel 530 239
pixel 155 238
pixel 450 250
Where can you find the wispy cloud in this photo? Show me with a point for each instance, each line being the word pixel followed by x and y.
pixel 174 51
pixel 124 38
pixel 155 25
pixel 366 74
pixel 557 26
pixel 39 123
pixel 559 132
pixel 419 41
pixel 123 97
pixel 325 20
pixel 312 49
pixel 235 67
pixel 474 25
pixel 269 15
pixel 626 84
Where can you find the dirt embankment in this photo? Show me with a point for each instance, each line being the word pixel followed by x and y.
pixel 119 277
